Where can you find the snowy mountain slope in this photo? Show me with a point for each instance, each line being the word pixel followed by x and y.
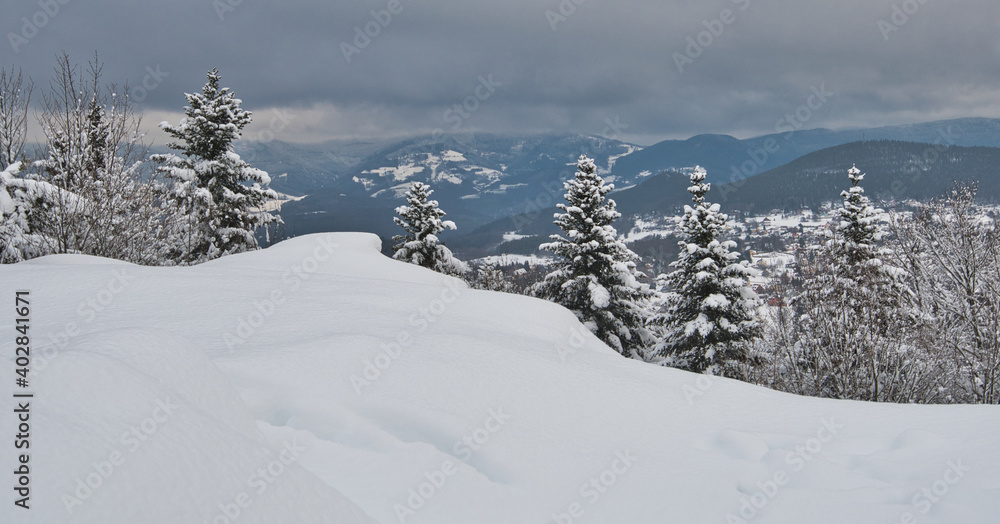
pixel 476 178
pixel 481 163
pixel 423 401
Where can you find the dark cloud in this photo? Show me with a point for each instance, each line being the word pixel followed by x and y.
pixel 557 65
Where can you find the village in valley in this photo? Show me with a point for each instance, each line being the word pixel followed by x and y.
pixel 780 246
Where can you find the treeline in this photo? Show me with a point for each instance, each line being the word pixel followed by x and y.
pixel 93 189
pixel 904 312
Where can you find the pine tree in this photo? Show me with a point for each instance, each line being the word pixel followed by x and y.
pixel 217 194
pixel 420 245
pixel 857 274
pixel 856 309
pixel 710 315
pixel 596 276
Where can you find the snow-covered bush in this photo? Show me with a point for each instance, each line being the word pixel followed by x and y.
pixel 951 248
pixel 87 195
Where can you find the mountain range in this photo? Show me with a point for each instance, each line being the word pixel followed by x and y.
pixel 488 182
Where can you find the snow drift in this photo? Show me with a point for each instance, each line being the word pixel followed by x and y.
pixel 319 381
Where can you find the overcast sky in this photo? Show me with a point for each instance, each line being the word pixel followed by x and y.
pixel 620 68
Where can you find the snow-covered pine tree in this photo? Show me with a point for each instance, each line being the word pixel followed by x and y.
pixel 420 245
pixel 596 275
pixel 218 197
pixel 711 311
pixel 856 311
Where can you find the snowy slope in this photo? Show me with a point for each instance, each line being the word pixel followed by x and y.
pixel 421 401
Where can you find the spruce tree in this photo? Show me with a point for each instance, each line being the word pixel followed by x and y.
pixel 857 275
pixel 218 196
pixel 422 220
pixel 711 313
pixel 596 275
pixel 855 308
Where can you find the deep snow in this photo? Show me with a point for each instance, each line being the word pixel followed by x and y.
pixel 376 391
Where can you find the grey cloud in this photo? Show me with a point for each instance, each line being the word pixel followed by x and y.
pixel 606 59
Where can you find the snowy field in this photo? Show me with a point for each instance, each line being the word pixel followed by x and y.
pixel 319 381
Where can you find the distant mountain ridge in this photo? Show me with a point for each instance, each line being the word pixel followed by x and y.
pixel 349 165
pixel 483 178
pixel 476 179
pixel 894 171
pixel 727 159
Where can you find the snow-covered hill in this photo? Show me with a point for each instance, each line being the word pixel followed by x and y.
pixel 318 381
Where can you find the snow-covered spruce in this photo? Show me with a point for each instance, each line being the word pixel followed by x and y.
pixel 856 312
pixel 710 313
pixel 596 275
pixel 217 194
pixel 421 219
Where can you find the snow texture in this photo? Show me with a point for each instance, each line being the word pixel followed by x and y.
pixel 387 373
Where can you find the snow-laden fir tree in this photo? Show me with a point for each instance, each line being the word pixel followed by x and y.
pixel 855 310
pixel 422 220
pixel 218 196
pixel 596 275
pixel 711 309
